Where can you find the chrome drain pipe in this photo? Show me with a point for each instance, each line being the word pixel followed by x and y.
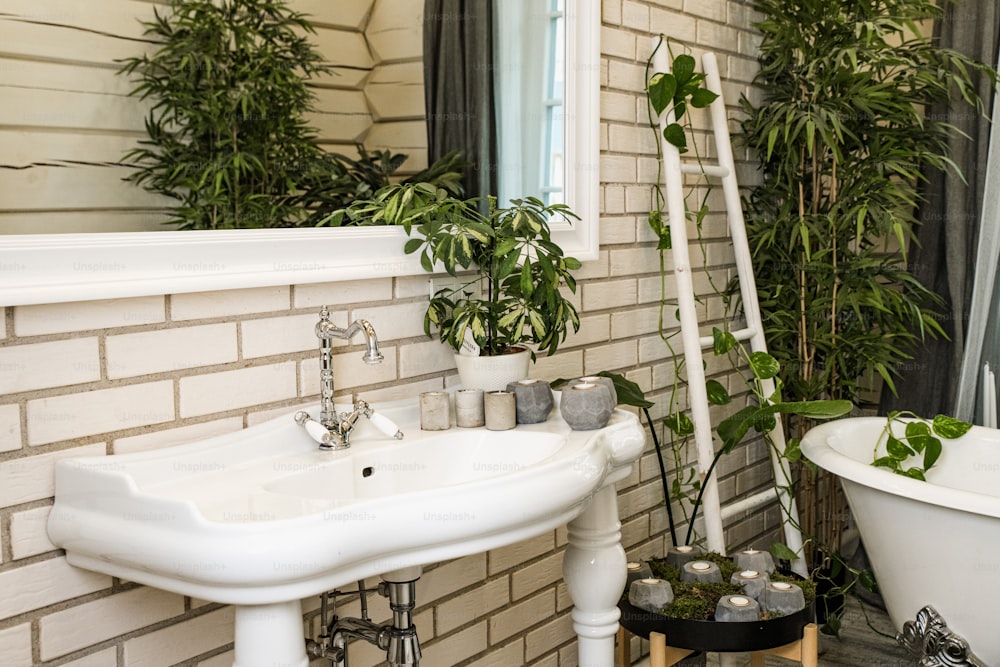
pixel 404 648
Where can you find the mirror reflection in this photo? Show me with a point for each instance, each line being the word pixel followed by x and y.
pixel 72 120
pixel 68 120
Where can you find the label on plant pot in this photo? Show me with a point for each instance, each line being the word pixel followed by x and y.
pixel 469 346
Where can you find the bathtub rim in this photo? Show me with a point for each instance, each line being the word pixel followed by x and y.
pixel 816 447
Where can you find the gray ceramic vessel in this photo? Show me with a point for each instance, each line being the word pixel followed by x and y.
pixel 586 406
pixel 534 400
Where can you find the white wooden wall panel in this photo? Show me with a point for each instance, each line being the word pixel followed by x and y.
pixel 351 14
pixel 396 92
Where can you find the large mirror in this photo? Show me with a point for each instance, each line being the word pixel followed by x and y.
pixel 52 268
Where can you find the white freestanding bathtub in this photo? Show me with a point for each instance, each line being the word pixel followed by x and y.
pixel 933 543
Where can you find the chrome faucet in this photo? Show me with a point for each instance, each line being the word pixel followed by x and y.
pixel 333 431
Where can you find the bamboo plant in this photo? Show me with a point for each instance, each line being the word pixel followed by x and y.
pixel 842 140
pixel 227 136
pixel 839 129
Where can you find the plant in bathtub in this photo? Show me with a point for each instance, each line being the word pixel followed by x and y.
pixel 920 439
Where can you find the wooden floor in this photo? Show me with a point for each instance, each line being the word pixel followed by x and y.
pixel 859 644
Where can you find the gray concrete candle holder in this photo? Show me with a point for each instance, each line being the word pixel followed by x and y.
pixel 534 400
pixel 650 594
pixel 700 570
pixel 586 406
pixel 685 553
pixel 469 411
pixel 753 583
pixel 603 381
pixel 783 598
pixel 500 413
pixel 751 559
pixel 636 571
pixel 737 608
pixel 434 411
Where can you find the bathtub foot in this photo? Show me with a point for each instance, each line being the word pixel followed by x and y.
pixel 929 639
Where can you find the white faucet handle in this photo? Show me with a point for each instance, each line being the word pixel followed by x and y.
pixel 386 425
pixel 315 430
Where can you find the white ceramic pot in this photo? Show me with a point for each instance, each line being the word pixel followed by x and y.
pixel 492 373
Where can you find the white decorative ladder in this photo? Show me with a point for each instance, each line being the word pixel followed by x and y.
pixel 693 343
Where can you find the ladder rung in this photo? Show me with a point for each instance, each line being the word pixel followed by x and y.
pixel 715 170
pixel 739 334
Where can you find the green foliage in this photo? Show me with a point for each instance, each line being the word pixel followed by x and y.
pixel 226 132
pixel 672 92
pixel 920 439
pixel 842 140
pixel 359 179
pixel 515 263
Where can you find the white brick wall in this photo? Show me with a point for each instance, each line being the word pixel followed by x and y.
pixel 129 375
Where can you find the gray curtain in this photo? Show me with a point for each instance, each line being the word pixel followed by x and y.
pixel 944 259
pixel 458 83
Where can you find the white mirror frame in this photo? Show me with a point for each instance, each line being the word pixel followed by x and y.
pixel 55 268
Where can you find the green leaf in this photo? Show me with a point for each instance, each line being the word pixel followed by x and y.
pixel 763 365
pixel 885 462
pixel 832 625
pixel 897 449
pixel 915 473
pixel 702 97
pixel 680 424
pixel 717 394
pixel 722 341
pixel 674 134
pixel 931 453
pixel 683 68
pixel 949 427
pixel 782 552
pixel 732 429
pixel 629 393
pixel 867 579
pixel 660 90
pixel 822 409
pixel 793 451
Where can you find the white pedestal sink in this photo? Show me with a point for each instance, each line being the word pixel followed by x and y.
pixel 262 518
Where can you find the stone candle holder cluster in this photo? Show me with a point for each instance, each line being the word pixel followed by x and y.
pixel 586 404
pixel 754 596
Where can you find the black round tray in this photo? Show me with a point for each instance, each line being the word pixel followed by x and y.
pixel 717 636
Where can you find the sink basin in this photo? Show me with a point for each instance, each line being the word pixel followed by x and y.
pixel 263 516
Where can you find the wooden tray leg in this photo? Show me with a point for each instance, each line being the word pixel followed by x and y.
pixel 661 655
pixel 624 647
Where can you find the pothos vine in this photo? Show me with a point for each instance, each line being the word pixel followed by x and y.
pixel 674 93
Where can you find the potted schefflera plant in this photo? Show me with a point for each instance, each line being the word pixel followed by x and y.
pixel 509 301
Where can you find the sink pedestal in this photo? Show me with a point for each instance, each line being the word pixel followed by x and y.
pixel 270 634
pixel 594 569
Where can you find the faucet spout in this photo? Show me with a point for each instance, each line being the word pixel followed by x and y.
pixel 372 355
